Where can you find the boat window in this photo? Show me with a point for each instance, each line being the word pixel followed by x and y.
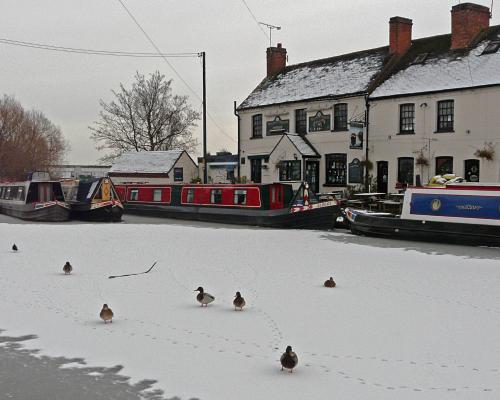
pixel 134 195
pixel 240 197
pixel 157 195
pixel 20 193
pixel 216 196
pixel 190 195
pixel 7 193
pixel 1 192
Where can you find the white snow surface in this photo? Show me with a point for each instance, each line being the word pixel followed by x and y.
pixel 406 321
pixel 301 145
pixel 146 162
pixel 339 76
pixel 445 73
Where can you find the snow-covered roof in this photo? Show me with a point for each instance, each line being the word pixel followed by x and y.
pixel 330 77
pixel 156 162
pixel 305 148
pixel 443 69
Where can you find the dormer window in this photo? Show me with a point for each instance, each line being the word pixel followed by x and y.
pixel 491 48
pixel 420 59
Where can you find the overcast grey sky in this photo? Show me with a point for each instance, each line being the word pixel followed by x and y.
pixel 67 87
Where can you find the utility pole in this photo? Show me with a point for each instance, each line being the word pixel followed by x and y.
pixel 205 167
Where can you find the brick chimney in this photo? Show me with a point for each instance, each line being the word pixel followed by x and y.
pixel 399 35
pixel 467 21
pixel 276 59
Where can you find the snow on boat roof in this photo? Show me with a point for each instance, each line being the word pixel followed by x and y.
pixel 330 77
pixel 160 162
pixel 443 69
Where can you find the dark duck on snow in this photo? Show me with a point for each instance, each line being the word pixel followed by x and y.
pixel 289 359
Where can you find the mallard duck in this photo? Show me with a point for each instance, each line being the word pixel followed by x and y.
pixel 14 247
pixel 106 314
pixel 330 282
pixel 67 268
pixel 289 359
pixel 239 302
pixel 204 298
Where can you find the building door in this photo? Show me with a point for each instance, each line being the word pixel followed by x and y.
pixel 312 175
pixel 472 170
pixel 256 170
pixel 382 176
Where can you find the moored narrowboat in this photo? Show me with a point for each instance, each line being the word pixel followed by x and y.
pixel 467 213
pixel 37 199
pixel 269 205
pixel 93 200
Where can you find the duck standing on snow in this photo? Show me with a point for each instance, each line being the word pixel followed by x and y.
pixel 106 314
pixel 289 359
pixel 239 302
pixel 204 298
pixel 330 283
pixel 14 247
pixel 67 268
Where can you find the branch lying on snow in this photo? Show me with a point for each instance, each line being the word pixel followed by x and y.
pixel 139 273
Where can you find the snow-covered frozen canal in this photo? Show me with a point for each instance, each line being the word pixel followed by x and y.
pixel 406 321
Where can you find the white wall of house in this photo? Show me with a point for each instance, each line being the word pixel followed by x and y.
pixel 325 142
pixel 476 122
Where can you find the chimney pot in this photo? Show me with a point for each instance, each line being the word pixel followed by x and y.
pixel 400 31
pixel 467 21
pixel 276 59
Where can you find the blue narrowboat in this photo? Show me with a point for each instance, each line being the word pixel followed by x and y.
pixel 460 213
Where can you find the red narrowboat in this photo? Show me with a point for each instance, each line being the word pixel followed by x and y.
pixel 269 205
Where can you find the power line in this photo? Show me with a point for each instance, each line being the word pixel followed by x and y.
pixel 114 53
pixel 171 66
pixel 255 19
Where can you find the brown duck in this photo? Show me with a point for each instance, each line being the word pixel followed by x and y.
pixel 106 314
pixel 330 283
pixel 289 359
pixel 67 268
pixel 239 302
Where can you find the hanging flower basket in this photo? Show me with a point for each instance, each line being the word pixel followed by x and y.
pixel 487 152
pixel 367 164
pixel 422 160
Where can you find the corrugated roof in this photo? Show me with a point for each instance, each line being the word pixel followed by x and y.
pixel 443 69
pixel 160 162
pixel 330 77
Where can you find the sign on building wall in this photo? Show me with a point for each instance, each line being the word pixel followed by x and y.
pixel 277 126
pixel 356 130
pixel 320 122
pixel 355 171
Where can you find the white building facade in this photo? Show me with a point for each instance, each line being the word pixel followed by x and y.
pixel 439 113
pixel 414 109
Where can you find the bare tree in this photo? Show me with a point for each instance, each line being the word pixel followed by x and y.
pixel 147 117
pixel 28 140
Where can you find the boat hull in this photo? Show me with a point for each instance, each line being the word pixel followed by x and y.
pixel 50 213
pixel 315 218
pixel 107 213
pixel 434 231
